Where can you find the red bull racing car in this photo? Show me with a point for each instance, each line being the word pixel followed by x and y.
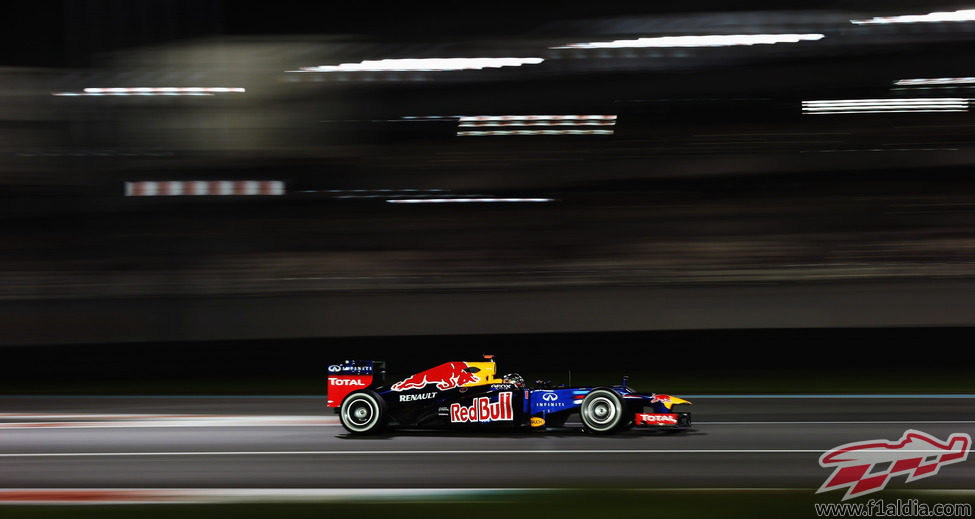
pixel 470 395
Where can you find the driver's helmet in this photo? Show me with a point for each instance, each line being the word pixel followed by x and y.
pixel 514 378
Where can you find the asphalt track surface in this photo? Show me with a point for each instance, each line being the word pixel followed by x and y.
pixel 293 442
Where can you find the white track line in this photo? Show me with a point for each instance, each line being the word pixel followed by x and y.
pixel 852 422
pixel 95 421
pixel 40 421
pixel 426 452
pixel 152 425
pixel 54 496
pixel 70 496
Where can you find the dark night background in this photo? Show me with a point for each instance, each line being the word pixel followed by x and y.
pixel 717 206
pixel 205 203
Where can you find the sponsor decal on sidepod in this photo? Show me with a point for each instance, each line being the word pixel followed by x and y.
pixel 418 396
pixel 484 410
pixel 549 400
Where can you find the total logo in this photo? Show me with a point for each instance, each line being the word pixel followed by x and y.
pixel 484 410
pixel 418 396
pixel 655 419
pixel 346 382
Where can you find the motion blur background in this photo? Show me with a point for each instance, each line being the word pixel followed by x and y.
pixel 268 176
pixel 203 203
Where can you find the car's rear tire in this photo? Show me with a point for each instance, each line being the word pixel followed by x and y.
pixel 602 412
pixel 363 412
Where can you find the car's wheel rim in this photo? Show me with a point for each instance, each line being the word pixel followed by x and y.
pixel 360 414
pixel 602 412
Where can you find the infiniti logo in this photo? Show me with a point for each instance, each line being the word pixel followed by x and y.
pixel 548 397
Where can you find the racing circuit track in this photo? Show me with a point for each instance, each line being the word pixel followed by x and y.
pixel 294 442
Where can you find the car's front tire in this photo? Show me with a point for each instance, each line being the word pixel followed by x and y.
pixel 602 411
pixel 363 412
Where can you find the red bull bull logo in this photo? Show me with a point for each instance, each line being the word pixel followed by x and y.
pixel 445 376
pixel 664 399
pixel 484 410
pixel 917 455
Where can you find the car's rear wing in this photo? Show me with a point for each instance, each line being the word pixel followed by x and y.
pixel 353 375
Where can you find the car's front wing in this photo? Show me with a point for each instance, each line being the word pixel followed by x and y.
pixel 662 420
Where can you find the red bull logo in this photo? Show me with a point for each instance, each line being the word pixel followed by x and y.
pixel 484 410
pixel 664 399
pixel 445 376
pixel 917 454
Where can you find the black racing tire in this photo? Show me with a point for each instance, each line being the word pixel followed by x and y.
pixel 602 412
pixel 363 412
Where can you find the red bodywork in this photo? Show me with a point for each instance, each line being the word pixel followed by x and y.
pixel 341 385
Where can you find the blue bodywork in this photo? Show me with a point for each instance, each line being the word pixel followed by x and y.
pixel 549 401
pixel 554 400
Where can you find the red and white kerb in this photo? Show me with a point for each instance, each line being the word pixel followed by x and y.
pixel 494 125
pixel 205 188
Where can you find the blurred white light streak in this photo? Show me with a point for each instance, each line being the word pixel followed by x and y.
pixel 894 105
pixel 715 40
pixel 936 81
pixel 873 150
pixel 474 124
pixel 966 15
pixel 467 200
pixel 481 133
pixel 885 101
pixel 214 90
pixel 464 118
pixel 137 421
pixel 152 91
pixel 104 94
pixel 423 64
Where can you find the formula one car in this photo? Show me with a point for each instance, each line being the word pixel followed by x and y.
pixel 467 395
